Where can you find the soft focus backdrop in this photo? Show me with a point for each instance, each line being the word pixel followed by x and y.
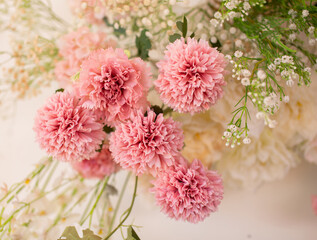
pixel 279 210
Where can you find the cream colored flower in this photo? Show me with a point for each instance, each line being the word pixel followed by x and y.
pixel 310 151
pixel 202 138
pixel 264 160
pixel 297 120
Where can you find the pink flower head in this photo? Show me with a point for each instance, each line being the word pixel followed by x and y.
pixel 191 75
pixel 101 164
pixel 66 130
pixel 314 203
pixel 113 84
pixel 146 143
pixel 188 192
pixel 92 10
pixel 74 47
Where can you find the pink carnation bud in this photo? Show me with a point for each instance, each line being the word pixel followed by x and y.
pixel 113 84
pixel 188 191
pixel 146 143
pixel 66 130
pixel 101 164
pixel 191 75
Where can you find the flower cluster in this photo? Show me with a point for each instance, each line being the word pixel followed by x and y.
pixel 151 144
pixel 125 103
pixel 110 96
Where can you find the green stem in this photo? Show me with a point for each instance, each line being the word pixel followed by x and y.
pixel 83 218
pixel 128 211
pixel 97 200
pixel 119 201
pixel 50 176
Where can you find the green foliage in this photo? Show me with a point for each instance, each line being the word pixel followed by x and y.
pixel 156 109
pixel 107 129
pixel 59 90
pixel 132 235
pixel 216 44
pixel 143 45
pixel 116 31
pixel 174 37
pixel 70 233
pixel 182 26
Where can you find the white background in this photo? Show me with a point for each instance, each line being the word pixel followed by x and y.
pixel 280 210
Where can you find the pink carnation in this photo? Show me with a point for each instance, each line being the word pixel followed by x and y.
pixel 66 130
pixel 101 164
pixel 74 47
pixel 314 204
pixel 92 10
pixel 146 143
pixel 188 192
pixel 191 75
pixel 113 84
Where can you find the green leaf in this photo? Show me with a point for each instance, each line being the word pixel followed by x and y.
pixel 108 129
pixel 284 46
pixel 192 35
pixel 59 90
pixel 184 31
pixel 174 37
pixel 179 25
pixel 117 31
pixel 143 45
pixel 75 77
pixel 132 235
pixel 156 109
pixel 182 26
pixel 70 233
pixel 215 45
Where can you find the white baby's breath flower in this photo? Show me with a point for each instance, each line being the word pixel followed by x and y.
pixel 246 72
pixel 311 29
pixel 277 61
pixel 238 54
pixel 245 81
pixel 261 74
pixel 292 26
pixel 217 15
pixel 292 37
pixel 305 13
pixel 312 42
pixel 286 99
pixel 214 22
pixel 272 67
pixel 246 6
pixel 246 140
pixel 290 83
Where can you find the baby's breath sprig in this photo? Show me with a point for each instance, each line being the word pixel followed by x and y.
pixel 279 55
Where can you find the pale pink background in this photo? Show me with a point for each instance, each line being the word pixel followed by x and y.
pixel 279 210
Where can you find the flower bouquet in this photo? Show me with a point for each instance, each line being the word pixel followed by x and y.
pixel 187 97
